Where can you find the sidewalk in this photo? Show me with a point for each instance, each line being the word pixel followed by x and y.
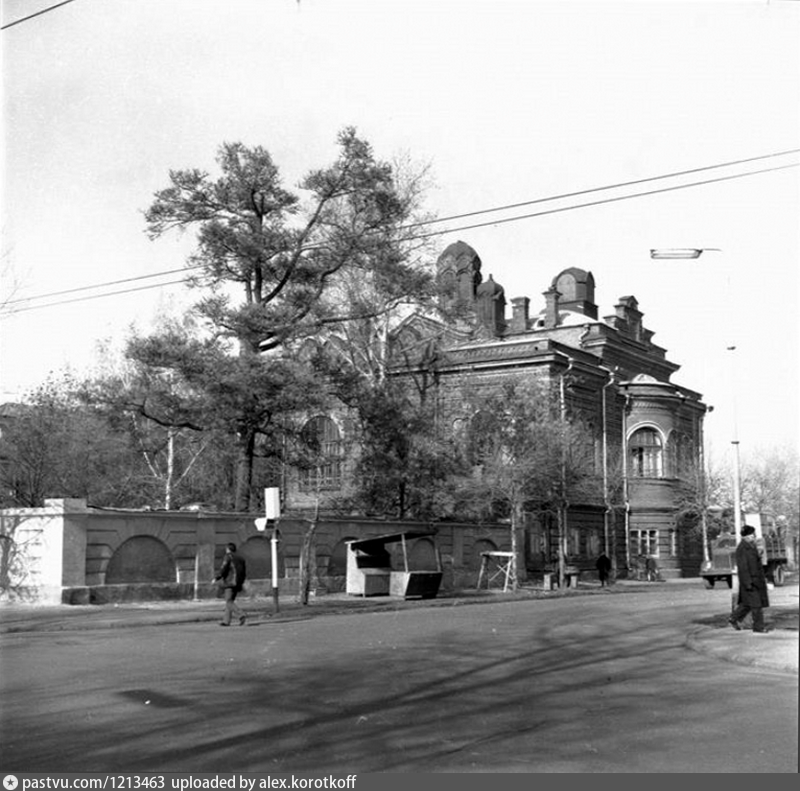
pixel 778 650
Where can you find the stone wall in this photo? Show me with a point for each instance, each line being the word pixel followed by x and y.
pixel 68 552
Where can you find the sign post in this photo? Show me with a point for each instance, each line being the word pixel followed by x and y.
pixel 272 505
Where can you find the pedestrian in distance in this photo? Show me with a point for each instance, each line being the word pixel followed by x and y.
pixel 603 566
pixel 753 596
pixel 232 574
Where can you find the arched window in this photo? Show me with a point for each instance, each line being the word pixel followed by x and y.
pixel 481 437
pixel 323 443
pixel 645 451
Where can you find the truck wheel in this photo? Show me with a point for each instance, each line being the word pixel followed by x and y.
pixel 709 581
pixel 729 580
pixel 777 576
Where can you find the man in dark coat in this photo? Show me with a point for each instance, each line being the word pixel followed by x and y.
pixel 233 573
pixel 603 568
pixel 752 582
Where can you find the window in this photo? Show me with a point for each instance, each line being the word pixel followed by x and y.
pixel 323 444
pixel 482 446
pixel 683 456
pixel 644 542
pixel 573 542
pixel 646 454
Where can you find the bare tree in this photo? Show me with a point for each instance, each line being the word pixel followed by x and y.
pixel 525 453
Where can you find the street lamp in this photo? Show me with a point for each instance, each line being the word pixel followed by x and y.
pixel 679 252
pixel 737 472
pixel 690 253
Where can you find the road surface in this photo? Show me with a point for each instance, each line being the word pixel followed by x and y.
pixel 602 683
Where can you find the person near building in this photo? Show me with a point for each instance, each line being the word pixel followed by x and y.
pixel 753 597
pixel 603 566
pixel 232 574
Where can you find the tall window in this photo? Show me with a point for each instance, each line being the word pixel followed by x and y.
pixel 646 454
pixel 573 542
pixel 683 456
pixel 644 542
pixel 324 446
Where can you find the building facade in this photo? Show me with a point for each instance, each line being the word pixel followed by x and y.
pixel 647 431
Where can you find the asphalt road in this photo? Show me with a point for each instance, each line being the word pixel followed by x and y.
pixel 601 683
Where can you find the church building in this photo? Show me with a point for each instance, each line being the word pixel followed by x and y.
pixel 647 431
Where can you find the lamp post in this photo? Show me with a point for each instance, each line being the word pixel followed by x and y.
pixel 692 253
pixel 737 471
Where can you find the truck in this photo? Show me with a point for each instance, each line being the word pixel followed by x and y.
pixel 771 546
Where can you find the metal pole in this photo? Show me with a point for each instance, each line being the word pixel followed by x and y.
pixel 737 493
pixel 737 488
pixel 606 503
pixel 703 481
pixel 274 539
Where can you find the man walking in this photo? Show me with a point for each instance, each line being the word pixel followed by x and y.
pixel 752 583
pixel 233 573
pixel 603 568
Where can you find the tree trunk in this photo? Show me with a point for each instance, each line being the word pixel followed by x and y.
pixel 305 562
pixel 305 556
pixel 562 545
pixel 244 469
pixel 518 545
pixel 170 468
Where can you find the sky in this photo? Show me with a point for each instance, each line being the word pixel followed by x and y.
pixel 505 102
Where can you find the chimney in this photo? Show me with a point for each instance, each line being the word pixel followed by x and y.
pixel 551 307
pixel 629 315
pixel 519 316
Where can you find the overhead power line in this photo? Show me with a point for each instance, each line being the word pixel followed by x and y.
pixel 609 187
pixel 38 13
pixel 500 221
pixel 92 296
pixel 101 285
pixel 504 220
pixel 455 217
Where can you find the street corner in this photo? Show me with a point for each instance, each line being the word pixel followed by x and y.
pixel 776 650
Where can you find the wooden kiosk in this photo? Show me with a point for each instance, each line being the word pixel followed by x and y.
pixel 370 572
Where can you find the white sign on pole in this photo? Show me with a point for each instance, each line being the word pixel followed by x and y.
pixel 272 502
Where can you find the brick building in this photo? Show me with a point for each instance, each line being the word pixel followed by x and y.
pixel 647 431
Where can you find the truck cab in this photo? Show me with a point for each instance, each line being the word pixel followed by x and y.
pixel 771 547
pixel 722 565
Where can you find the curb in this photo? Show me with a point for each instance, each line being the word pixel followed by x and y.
pixel 783 656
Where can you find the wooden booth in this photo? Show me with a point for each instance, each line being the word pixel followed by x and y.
pixel 370 571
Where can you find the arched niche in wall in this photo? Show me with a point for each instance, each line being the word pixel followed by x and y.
pixel 422 556
pixel 141 559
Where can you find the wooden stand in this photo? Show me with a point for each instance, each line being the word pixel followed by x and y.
pixel 496 565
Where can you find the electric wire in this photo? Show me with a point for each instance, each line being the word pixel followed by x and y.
pixel 501 221
pixel 99 285
pixel 451 217
pixel 609 187
pixel 13 312
pixel 518 217
pixel 38 13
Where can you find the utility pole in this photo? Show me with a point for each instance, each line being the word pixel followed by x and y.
pixel 737 487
